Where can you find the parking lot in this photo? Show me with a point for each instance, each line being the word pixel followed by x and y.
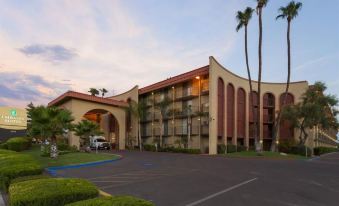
pixel 187 180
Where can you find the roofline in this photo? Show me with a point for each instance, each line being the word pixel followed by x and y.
pixel 85 97
pixel 175 80
pixel 136 86
pixel 296 82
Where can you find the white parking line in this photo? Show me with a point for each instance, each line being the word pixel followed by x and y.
pixel 221 192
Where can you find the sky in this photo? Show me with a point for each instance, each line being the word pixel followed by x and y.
pixel 50 46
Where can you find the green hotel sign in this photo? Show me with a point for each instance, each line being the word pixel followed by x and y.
pixel 13 112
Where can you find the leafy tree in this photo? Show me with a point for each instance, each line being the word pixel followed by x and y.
pixel 85 129
pixel 315 109
pixel 103 92
pixel 139 110
pixel 93 91
pixel 49 122
pixel 243 19
pixel 260 5
pixel 289 12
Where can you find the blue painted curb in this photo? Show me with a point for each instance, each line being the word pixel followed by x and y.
pixel 52 170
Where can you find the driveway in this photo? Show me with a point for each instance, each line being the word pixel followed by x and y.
pixel 186 180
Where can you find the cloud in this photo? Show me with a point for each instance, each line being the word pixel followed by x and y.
pixel 52 53
pixel 18 89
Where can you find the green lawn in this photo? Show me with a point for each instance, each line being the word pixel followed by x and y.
pixel 68 159
pixel 265 154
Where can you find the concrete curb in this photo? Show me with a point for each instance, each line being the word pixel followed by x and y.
pixel 52 170
pixel 323 155
pixel 2 201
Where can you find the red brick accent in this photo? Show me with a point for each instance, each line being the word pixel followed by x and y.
pixel 76 95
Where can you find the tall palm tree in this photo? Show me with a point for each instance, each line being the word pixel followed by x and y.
pixel 103 92
pixel 85 129
pixel 162 107
pixel 289 12
pixel 260 5
pixel 243 19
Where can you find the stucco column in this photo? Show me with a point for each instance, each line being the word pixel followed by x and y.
pixel 213 139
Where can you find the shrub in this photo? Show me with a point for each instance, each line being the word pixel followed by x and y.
pixel 149 147
pixel 231 148
pixel 30 177
pixel 51 192
pixel 285 145
pixel 300 150
pixel 3 146
pixel 324 150
pixel 221 148
pixel 115 200
pixel 241 148
pixel 179 150
pixel 18 143
pixel 13 165
pixel 63 147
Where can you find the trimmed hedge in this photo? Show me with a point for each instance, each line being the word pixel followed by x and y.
pixel 149 147
pixel 323 150
pixel 230 148
pixel 13 165
pixel 18 144
pixel 179 150
pixel 115 200
pixel 30 177
pixel 51 192
pixel 3 146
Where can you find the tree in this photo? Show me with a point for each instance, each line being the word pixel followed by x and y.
pixel 315 109
pixel 289 12
pixel 260 5
pixel 139 110
pixel 49 122
pixel 243 19
pixel 103 92
pixel 93 91
pixel 85 129
pixel 162 108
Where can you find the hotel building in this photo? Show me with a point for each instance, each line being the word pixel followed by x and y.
pixel 204 107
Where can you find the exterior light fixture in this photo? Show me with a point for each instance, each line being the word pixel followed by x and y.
pixel 198 119
pixel 152 93
pixel 261 141
pixel 197 77
pixel 173 87
pixel 277 142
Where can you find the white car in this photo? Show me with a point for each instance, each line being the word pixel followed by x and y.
pixel 99 142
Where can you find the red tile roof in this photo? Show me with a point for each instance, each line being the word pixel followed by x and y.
pixel 76 95
pixel 175 80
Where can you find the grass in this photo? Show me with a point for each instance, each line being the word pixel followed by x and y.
pixel 265 154
pixel 68 159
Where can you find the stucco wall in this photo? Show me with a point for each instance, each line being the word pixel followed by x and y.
pixel 218 71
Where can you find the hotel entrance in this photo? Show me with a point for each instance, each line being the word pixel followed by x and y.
pixel 108 125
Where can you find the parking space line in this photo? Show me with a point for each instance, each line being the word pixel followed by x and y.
pixel 222 192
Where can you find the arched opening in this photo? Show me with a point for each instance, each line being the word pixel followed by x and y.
pixel 230 112
pixel 268 119
pixel 286 130
pixel 252 117
pixel 108 125
pixel 241 116
pixel 221 108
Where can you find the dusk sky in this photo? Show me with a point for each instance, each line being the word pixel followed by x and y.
pixel 50 46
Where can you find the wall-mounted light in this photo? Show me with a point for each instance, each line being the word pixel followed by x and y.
pixel 173 87
pixel 197 77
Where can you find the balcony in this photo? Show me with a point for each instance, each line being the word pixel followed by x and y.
pixel 187 93
pixel 204 87
pixel 186 112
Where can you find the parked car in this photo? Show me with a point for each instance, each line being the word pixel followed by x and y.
pixel 99 142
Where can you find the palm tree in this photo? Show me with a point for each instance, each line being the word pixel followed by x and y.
pixel 289 12
pixel 243 19
pixel 85 129
pixel 139 110
pixel 162 107
pixel 50 122
pixel 103 92
pixel 260 5
pixel 93 91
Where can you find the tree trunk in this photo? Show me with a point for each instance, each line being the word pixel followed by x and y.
pixel 258 144
pixel 54 148
pixel 139 135
pixel 277 122
pixel 250 81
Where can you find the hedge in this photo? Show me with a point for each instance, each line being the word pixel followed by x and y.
pixel 3 145
pixel 30 177
pixel 51 192
pixel 180 150
pixel 149 147
pixel 13 165
pixel 230 148
pixel 324 150
pixel 18 143
pixel 113 201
